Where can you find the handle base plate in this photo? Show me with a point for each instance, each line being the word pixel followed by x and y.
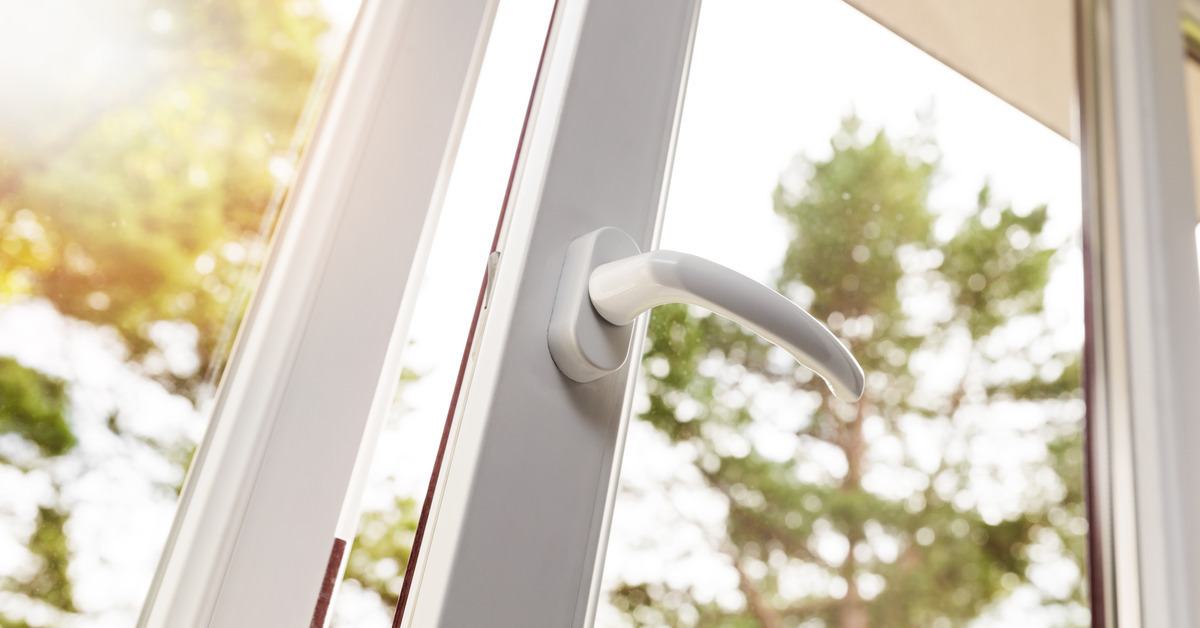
pixel 584 346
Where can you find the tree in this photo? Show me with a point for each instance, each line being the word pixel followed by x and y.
pixel 382 548
pixel 143 198
pixel 33 407
pixel 137 196
pixel 899 532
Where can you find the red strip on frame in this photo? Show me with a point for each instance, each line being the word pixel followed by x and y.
pixel 332 570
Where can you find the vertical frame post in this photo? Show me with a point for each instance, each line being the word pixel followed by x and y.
pixel 519 514
pixel 1143 307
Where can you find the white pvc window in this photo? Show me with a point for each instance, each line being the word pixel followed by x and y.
pixel 522 499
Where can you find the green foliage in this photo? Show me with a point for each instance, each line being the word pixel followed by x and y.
pixel 50 582
pixel 33 406
pixel 650 606
pixel 915 308
pixel 140 195
pixel 992 273
pixel 848 221
pixel 143 199
pixel 381 549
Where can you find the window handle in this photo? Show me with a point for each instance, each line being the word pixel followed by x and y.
pixel 607 282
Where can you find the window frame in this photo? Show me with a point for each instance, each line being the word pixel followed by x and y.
pixel 1142 300
pixel 613 76
pixel 533 457
pixel 276 481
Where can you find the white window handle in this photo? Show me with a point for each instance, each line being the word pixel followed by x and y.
pixel 607 282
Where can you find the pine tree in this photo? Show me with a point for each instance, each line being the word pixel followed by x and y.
pixel 927 538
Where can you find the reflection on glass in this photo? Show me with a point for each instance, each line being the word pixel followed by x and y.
pixel 940 246
pixel 144 152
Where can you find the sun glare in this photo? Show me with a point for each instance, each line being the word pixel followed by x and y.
pixel 60 60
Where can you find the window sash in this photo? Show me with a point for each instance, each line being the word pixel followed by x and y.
pixel 317 358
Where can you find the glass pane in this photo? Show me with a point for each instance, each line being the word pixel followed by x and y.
pixel 935 229
pixel 145 150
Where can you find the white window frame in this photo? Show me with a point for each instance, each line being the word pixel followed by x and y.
pixel 1143 304
pixel 520 512
pixel 318 357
